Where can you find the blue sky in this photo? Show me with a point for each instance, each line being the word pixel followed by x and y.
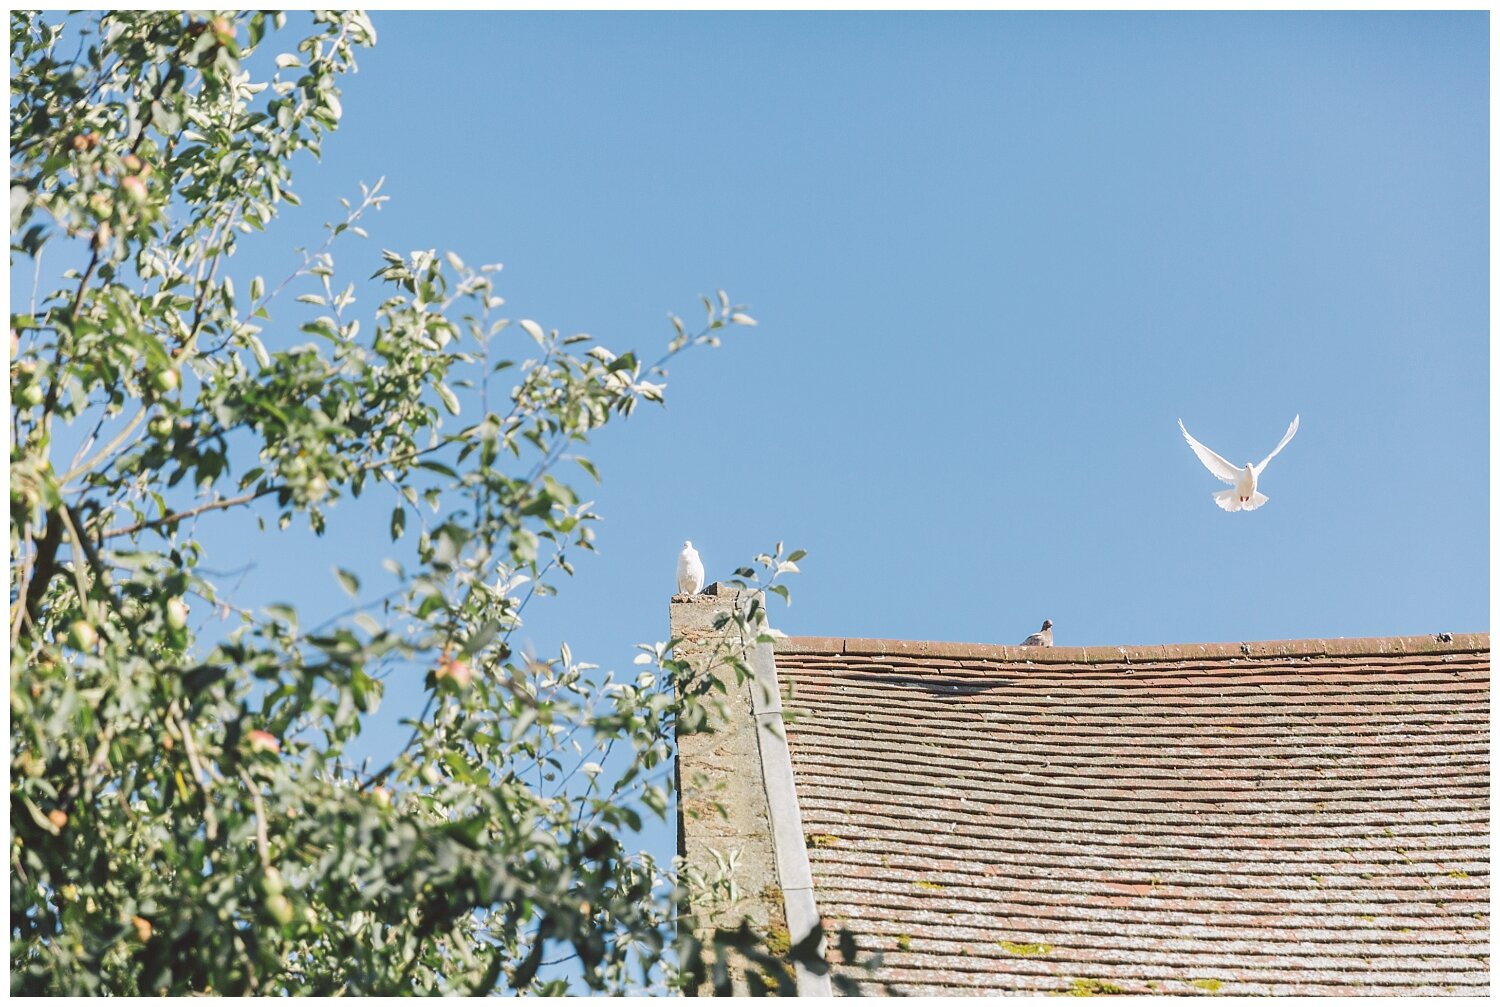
pixel 994 258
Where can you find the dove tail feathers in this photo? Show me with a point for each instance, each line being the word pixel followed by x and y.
pixel 1230 500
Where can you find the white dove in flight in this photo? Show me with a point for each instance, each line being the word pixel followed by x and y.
pixel 689 570
pixel 1243 494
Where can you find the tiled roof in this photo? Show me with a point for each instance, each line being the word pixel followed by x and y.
pixel 1301 817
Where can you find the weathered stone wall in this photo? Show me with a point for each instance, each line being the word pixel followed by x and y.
pixel 722 804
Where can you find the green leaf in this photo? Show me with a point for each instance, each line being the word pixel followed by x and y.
pixel 283 612
pixel 481 638
pixel 588 467
pixel 321 327
pixel 203 677
pixel 438 467
pixel 259 349
pixel 347 581
pixel 398 522
pixel 364 690
pixel 470 831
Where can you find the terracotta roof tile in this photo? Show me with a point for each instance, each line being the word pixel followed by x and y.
pixel 1291 817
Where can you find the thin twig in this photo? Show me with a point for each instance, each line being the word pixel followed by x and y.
pixel 23 582
pixel 104 452
pixel 88 441
pixel 79 581
pixel 380 777
pixel 210 820
pixel 308 260
pixel 54 386
pixel 36 280
pixel 172 519
pixel 262 839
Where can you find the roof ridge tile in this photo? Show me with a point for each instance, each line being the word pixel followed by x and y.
pixel 1444 643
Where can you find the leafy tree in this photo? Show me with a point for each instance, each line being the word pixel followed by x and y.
pixel 184 814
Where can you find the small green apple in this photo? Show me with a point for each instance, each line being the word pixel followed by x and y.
pixel 29 395
pixel 165 380
pixel 280 909
pixel 82 635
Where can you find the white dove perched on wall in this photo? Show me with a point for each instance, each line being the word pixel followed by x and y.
pixel 689 570
pixel 1243 494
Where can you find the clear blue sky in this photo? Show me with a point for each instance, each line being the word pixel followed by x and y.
pixel 994 257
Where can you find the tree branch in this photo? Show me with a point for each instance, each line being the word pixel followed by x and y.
pixel 44 567
pixel 180 516
pixel 54 386
pixel 104 452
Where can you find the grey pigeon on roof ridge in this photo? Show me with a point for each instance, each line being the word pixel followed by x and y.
pixel 1043 638
pixel 689 570
pixel 1243 494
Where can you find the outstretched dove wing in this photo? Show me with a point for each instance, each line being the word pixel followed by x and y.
pixel 1222 470
pixel 1290 431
